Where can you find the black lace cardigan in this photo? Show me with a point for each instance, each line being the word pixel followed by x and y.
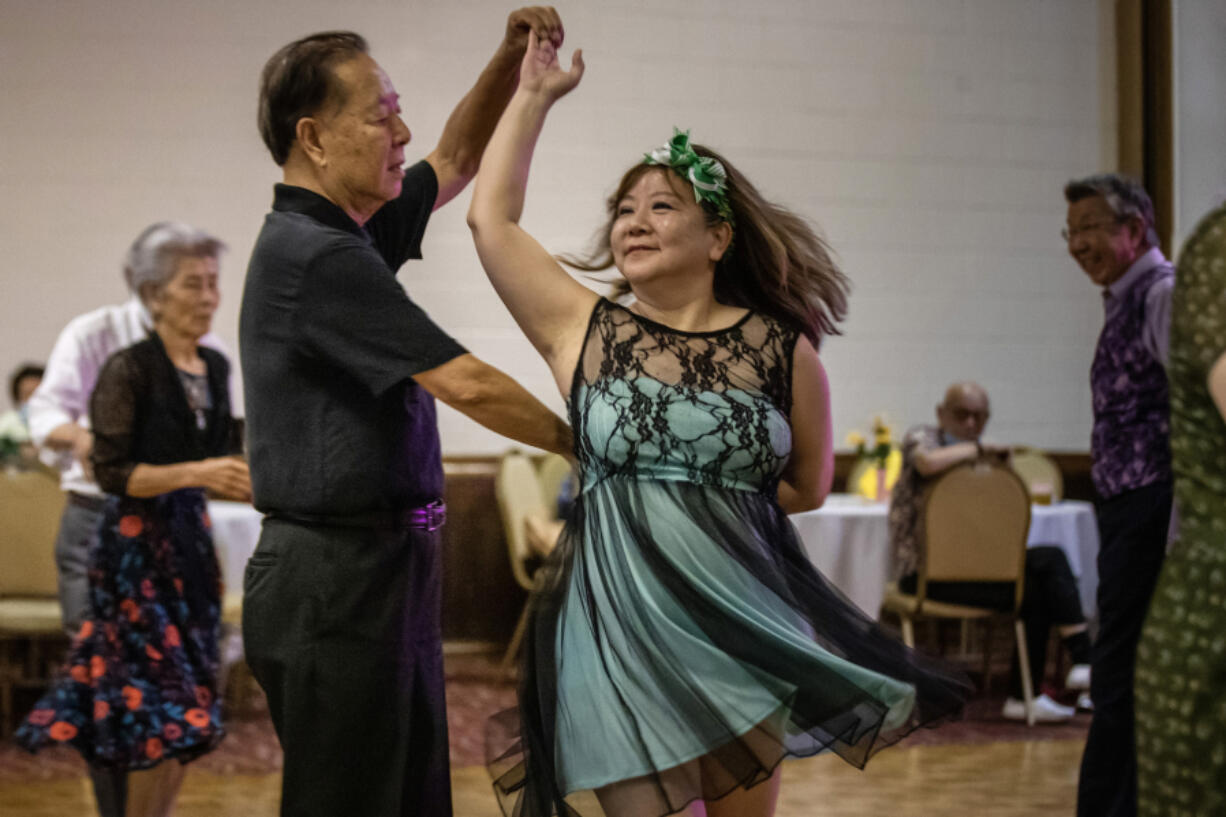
pixel 140 414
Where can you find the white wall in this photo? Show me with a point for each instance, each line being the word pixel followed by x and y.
pixel 929 138
pixel 1200 111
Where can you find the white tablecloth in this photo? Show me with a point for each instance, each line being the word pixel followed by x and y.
pixel 848 540
pixel 236 530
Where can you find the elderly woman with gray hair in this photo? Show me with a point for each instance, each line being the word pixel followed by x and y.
pixel 140 683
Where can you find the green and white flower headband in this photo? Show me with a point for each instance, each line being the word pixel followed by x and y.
pixel 707 175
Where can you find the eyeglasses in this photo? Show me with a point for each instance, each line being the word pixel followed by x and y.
pixel 1069 234
pixel 961 414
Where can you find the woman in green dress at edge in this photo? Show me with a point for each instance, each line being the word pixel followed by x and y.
pixel 1181 660
pixel 681 644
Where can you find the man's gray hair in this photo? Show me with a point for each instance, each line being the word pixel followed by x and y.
pixel 1123 194
pixel 155 254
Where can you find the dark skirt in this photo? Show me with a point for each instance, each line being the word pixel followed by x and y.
pixel 140 681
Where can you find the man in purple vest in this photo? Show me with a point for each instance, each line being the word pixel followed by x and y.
pixel 1111 235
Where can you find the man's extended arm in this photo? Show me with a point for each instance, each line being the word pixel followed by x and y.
pixel 60 400
pixel 60 405
pixel 458 154
pixel 490 397
pixel 932 461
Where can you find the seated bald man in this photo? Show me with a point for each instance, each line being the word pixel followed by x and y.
pixel 1051 597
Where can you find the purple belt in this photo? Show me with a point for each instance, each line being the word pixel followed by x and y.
pixel 428 517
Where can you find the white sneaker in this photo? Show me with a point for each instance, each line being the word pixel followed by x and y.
pixel 1084 704
pixel 1045 710
pixel 1078 677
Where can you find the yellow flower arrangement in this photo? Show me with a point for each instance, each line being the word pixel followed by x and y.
pixel 882 444
pixel 881 464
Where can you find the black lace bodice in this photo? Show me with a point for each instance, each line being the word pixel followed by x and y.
pixel 710 408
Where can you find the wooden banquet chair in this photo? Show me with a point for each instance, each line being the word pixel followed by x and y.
pixel 974 522
pixel 551 473
pixel 529 526
pixel 31 503
pixel 1038 470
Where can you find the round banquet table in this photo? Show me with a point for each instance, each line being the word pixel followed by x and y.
pixel 848 540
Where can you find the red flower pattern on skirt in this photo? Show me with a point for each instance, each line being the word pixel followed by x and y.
pixel 130 695
pixel 196 717
pixel 129 608
pixel 42 717
pixel 131 526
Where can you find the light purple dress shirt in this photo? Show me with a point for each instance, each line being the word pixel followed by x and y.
pixel 1156 335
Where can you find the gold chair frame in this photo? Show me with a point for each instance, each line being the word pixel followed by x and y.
pixel 974 524
pixel 31 632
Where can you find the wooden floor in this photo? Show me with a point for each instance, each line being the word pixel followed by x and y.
pixel 1024 779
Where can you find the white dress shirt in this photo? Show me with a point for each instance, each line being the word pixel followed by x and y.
pixel 72 370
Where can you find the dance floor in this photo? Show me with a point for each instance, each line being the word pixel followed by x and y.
pixel 981 765
pixel 1016 779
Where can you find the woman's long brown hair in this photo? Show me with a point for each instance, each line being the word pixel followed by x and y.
pixel 777 264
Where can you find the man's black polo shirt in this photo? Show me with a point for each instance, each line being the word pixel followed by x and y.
pixel 330 342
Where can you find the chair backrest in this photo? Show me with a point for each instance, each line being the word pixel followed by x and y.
pixel 976 518
pixel 31 503
pixel 1037 470
pixel 553 470
pixel 519 496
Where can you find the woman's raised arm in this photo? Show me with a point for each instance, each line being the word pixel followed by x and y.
pixel 548 304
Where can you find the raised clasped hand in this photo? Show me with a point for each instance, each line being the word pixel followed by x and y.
pixel 541 20
pixel 541 71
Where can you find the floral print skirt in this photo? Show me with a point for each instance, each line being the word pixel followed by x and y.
pixel 140 681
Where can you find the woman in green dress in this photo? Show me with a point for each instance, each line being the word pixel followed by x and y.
pixel 1181 661
pixel 681 644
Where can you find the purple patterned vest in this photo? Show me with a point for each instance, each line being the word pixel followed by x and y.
pixel 1131 445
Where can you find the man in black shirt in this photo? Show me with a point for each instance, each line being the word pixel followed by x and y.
pixel 341 368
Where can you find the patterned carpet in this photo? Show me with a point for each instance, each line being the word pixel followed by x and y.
pixel 475 690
